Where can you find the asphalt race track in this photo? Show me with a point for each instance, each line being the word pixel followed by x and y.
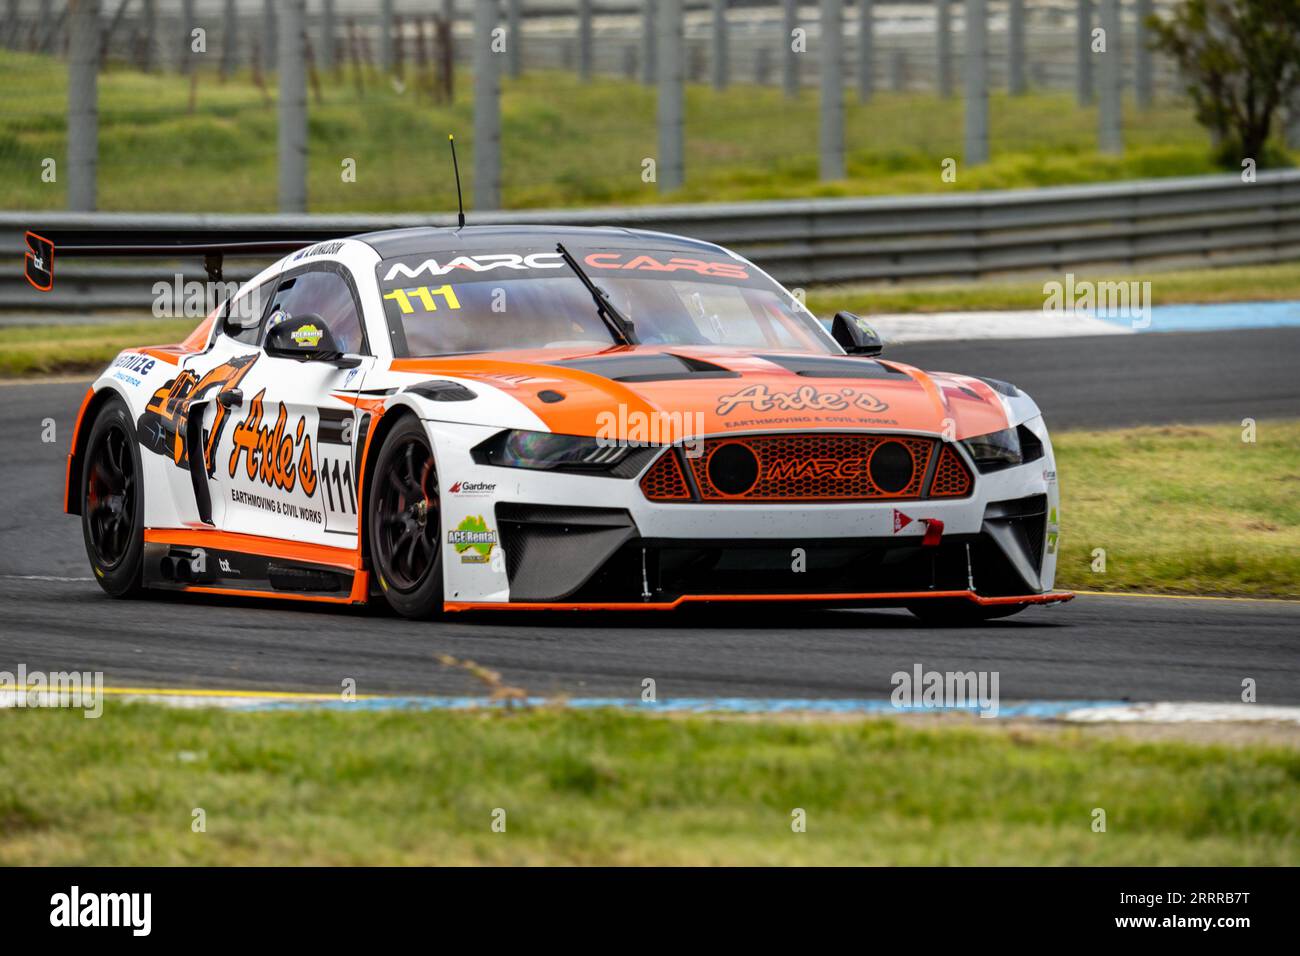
pixel 55 617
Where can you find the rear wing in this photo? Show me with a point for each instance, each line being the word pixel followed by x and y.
pixel 213 245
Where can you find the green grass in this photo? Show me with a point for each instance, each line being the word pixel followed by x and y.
pixel 1240 284
pixel 564 143
pixel 64 349
pixel 613 788
pixel 1182 509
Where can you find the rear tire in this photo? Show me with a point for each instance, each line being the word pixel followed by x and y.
pixel 959 612
pixel 112 501
pixel 403 522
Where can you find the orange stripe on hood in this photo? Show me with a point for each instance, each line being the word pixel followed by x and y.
pixel 761 396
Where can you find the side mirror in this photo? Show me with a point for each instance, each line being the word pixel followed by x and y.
pixel 855 335
pixel 302 337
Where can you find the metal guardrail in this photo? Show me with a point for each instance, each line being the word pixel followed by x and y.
pixel 1162 223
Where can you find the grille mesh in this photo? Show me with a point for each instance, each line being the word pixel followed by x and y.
pixel 951 479
pixel 816 468
pixel 665 481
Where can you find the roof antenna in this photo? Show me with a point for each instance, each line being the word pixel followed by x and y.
pixel 460 203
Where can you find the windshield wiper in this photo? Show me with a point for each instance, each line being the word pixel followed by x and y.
pixel 623 330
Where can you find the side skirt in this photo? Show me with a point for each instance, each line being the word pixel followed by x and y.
pixel 213 562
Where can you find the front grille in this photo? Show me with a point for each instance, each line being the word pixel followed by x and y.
pixel 816 467
pixel 951 479
pixel 665 481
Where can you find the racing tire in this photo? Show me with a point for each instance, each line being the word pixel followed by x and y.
pixel 112 501
pixel 403 522
pixel 959 612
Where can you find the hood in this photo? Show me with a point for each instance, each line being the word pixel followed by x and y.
pixel 626 392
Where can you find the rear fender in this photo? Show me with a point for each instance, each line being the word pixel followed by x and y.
pixel 96 397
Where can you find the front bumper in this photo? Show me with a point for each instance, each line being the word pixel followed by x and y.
pixel 898 599
pixel 571 541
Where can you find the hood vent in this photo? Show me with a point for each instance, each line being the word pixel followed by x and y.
pixel 650 367
pixel 815 366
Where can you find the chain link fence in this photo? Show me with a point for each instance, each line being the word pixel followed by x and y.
pixel 191 107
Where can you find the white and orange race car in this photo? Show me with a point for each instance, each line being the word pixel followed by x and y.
pixel 550 418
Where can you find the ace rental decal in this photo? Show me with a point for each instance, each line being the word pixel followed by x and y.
pixel 473 540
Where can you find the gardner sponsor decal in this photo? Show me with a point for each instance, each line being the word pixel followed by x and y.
pixel 472 489
pixel 473 540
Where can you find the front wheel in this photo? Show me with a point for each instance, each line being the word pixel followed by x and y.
pixel 112 501
pixel 403 521
pixel 958 612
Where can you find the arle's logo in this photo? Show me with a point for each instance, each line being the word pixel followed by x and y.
pixel 816 468
pixel 806 398
pixel 270 454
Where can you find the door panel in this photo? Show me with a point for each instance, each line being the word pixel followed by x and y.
pixel 284 465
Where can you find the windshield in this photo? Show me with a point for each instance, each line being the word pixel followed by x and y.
pixel 531 299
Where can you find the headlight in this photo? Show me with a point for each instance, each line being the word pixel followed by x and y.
pixel 1004 449
pixel 545 451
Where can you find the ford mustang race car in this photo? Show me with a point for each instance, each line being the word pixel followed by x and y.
pixel 495 417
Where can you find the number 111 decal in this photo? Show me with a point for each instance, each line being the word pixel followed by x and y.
pixel 338 494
